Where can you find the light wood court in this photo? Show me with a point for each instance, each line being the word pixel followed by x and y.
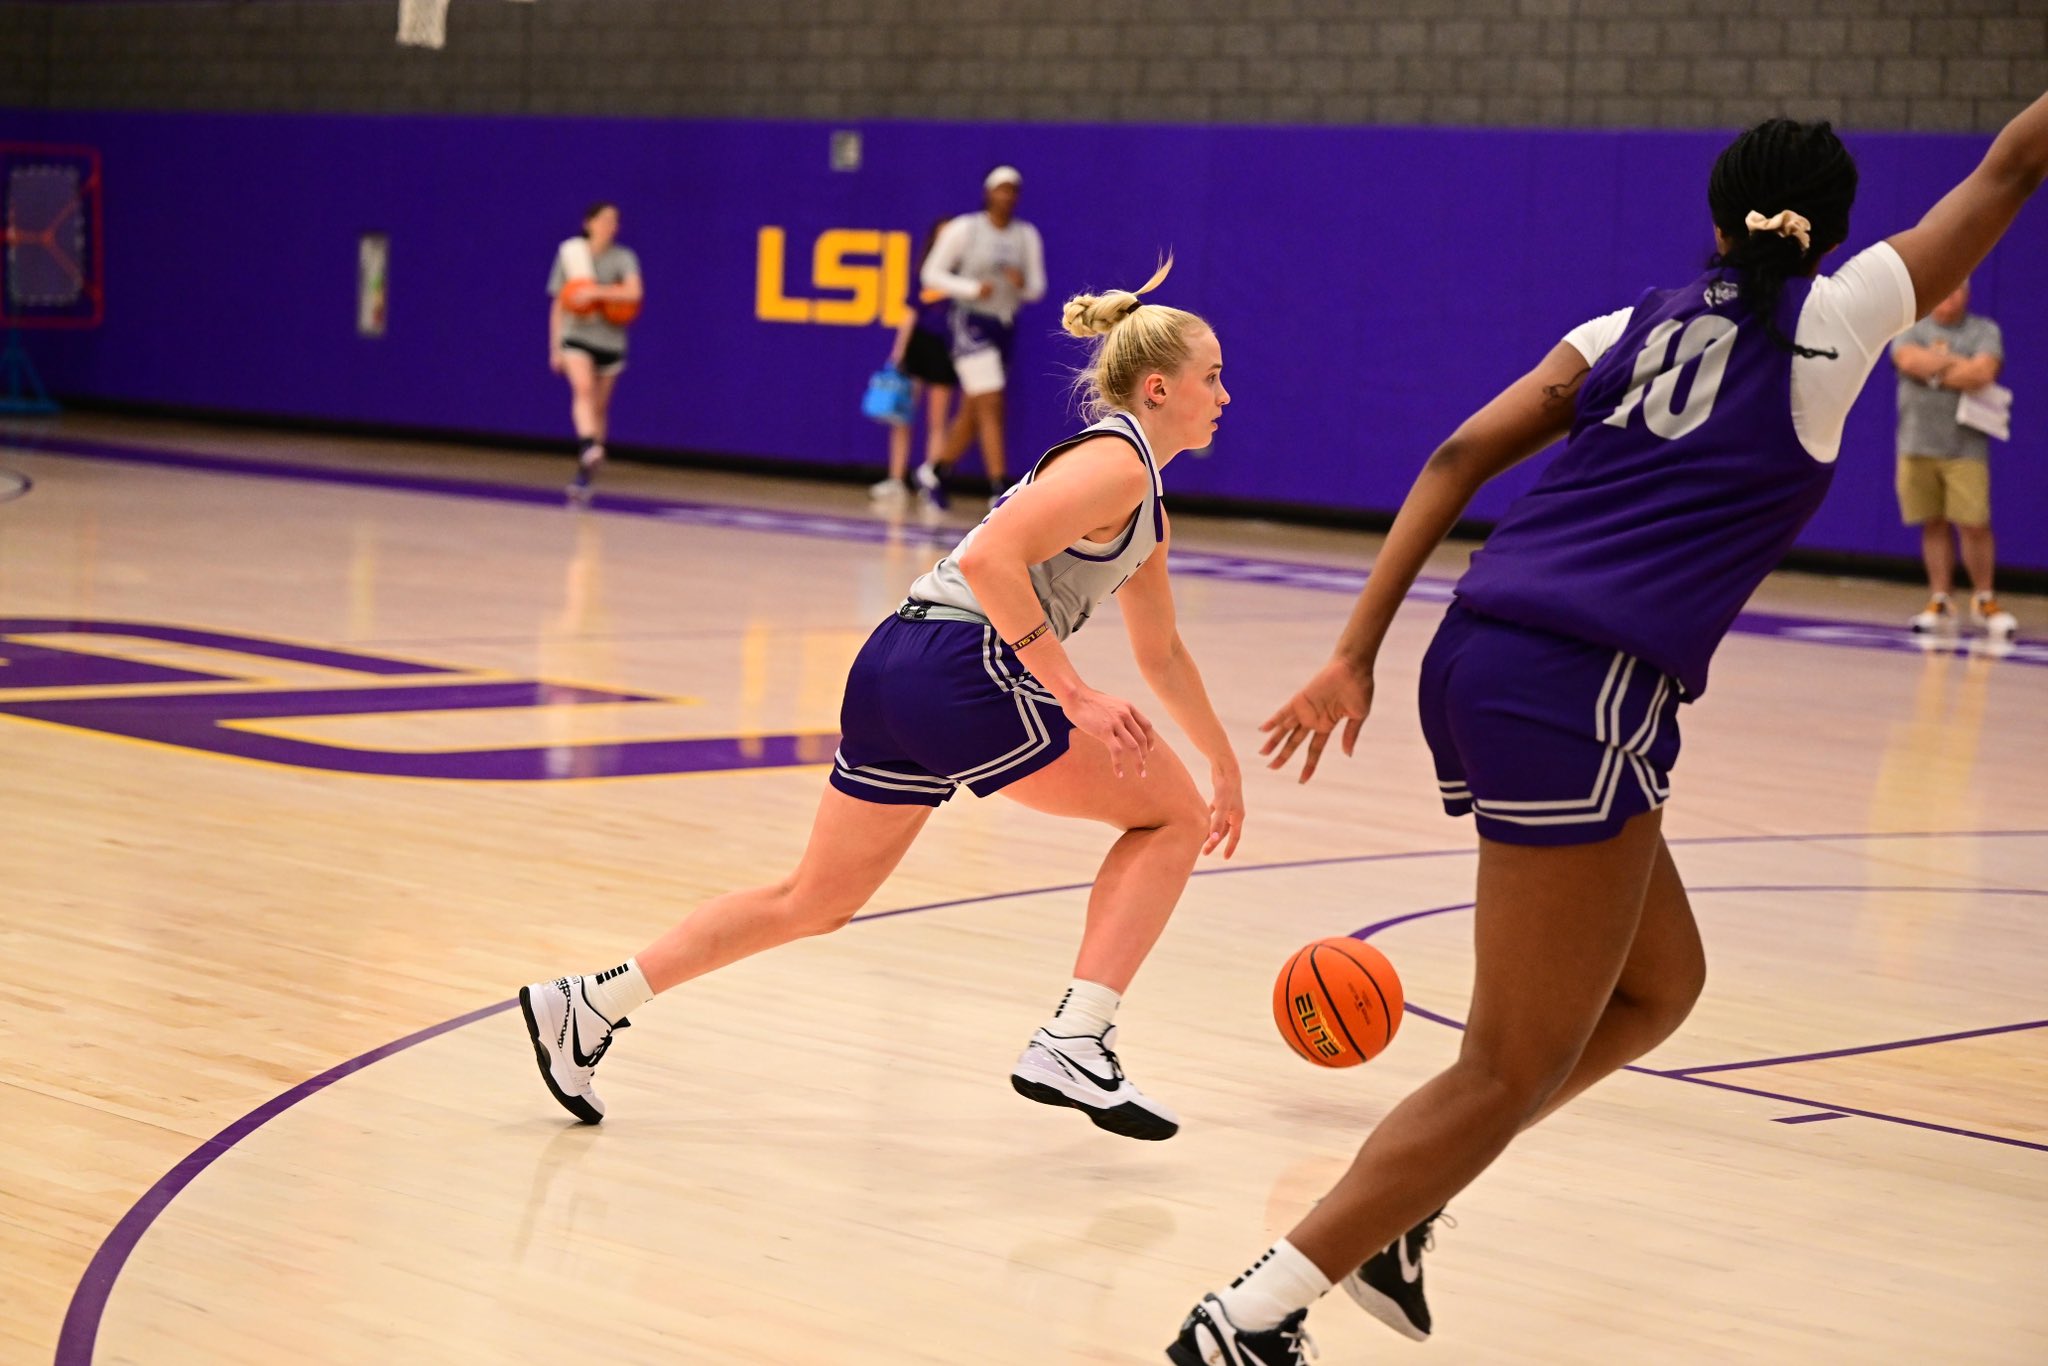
pixel 304 754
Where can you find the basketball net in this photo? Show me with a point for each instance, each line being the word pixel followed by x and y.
pixel 424 23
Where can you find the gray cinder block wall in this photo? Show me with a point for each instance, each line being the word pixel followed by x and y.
pixel 1947 65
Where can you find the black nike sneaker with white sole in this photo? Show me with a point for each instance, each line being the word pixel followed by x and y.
pixel 569 1038
pixel 1209 1338
pixel 1082 1071
pixel 1389 1284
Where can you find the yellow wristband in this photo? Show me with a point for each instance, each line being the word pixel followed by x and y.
pixel 1031 635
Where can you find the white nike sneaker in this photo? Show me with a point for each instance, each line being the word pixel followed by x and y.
pixel 557 1016
pixel 889 491
pixel 1082 1071
pixel 1210 1338
pixel 1388 1285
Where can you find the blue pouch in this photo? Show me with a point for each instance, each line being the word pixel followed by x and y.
pixel 888 397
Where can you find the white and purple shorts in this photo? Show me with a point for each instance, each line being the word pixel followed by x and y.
pixel 1544 739
pixel 934 705
pixel 982 347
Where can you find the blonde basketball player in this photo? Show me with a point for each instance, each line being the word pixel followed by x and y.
pixel 967 684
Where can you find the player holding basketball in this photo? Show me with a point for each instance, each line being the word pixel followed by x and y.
pixel 1703 424
pixel 596 291
pixel 968 684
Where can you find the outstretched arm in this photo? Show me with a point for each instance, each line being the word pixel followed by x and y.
pixel 1960 230
pixel 1524 418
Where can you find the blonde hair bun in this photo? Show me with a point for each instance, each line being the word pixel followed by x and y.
pixel 1093 315
pixel 1129 343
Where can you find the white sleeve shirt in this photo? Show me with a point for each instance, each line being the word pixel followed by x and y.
pixel 971 251
pixel 1853 312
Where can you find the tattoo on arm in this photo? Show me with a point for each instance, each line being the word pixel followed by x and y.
pixel 1555 395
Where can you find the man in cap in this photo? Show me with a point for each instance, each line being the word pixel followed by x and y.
pixel 990 264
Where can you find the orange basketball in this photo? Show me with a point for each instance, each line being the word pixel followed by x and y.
pixel 621 311
pixel 1338 1002
pixel 576 296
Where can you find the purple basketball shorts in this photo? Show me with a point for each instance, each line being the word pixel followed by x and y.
pixel 934 705
pixel 1544 739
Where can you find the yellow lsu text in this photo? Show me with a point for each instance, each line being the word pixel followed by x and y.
pixel 866 272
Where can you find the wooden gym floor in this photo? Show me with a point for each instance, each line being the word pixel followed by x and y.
pixel 312 750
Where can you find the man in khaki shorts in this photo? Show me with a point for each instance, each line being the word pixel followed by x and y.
pixel 1944 466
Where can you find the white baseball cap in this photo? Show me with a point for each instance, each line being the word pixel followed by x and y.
pixel 1003 175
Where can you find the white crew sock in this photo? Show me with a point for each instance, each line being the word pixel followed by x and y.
pixel 1087 1008
pixel 1277 1284
pixel 617 992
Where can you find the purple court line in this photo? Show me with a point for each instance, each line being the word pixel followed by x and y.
pixel 1809 1119
pixel 1692 1074
pixel 1688 1072
pixel 1862 1114
pixel 89 1300
pixel 1187 564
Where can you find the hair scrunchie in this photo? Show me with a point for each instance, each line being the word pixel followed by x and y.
pixel 1784 223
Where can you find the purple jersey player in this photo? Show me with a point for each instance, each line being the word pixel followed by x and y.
pixel 967 684
pixel 1703 424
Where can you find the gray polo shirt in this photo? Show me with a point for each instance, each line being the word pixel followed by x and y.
pixel 1927 415
pixel 615 265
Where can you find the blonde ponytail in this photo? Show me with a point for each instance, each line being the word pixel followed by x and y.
pixel 1136 340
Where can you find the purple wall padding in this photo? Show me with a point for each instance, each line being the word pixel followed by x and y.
pixel 1371 285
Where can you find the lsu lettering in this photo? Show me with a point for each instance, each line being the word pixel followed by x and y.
pixel 864 274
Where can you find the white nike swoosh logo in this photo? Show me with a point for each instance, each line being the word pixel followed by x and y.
pixel 1411 1272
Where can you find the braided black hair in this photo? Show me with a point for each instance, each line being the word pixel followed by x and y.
pixel 1780 164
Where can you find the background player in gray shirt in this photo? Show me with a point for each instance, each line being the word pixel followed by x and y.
pixel 596 292
pixel 1944 471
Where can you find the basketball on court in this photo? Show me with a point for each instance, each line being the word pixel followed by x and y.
pixel 1338 1002
pixel 794 799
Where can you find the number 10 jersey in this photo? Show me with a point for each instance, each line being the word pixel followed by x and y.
pixel 1700 448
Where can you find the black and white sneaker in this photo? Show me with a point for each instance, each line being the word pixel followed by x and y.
pixel 1083 1072
pixel 1209 1338
pixel 1389 1285
pixel 569 1037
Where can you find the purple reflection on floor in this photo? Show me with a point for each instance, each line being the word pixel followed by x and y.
pixel 1192 564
